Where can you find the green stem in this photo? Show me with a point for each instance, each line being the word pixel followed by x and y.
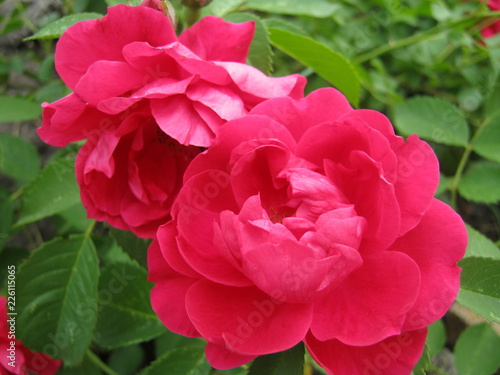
pixel 16 194
pixel 97 361
pixel 458 175
pixel 463 162
pixel 89 230
pixel 420 36
pixel 191 15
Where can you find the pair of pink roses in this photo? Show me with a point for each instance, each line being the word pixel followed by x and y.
pixel 304 221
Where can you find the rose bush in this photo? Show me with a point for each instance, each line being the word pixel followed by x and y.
pixel 309 221
pixel 24 361
pixel 132 78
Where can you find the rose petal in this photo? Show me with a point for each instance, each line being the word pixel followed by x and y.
pixel 396 355
pixel 436 244
pixel 77 48
pixel 199 250
pixel 320 106
pixel 245 319
pixel 112 78
pixel 249 129
pixel 371 303
pixel 222 358
pixel 176 116
pixel 417 180
pixel 378 204
pixel 221 100
pixel 169 293
pixel 70 119
pixel 288 267
pixel 258 86
pixel 204 37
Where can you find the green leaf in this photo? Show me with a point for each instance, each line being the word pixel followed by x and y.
pixel 480 183
pixel 7 214
pixel 313 8
pixel 423 364
pixel 476 351
pixel 125 313
pixel 491 106
pixel 72 220
pixel 274 23
pixel 14 109
pixel 11 256
pixel 480 246
pixel 180 361
pixel 234 371
pixel 487 144
pixel 127 360
pixel 436 338
pixel 57 28
pixel 110 252
pixel 289 362
pixel 53 190
pixel 170 341
pixel 432 118
pixel 57 298
pixel 222 8
pixel 87 367
pixel 260 55
pixel 480 286
pixel 444 184
pixel 19 159
pixel 134 246
pixel 330 65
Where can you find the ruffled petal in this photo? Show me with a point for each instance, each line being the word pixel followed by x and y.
pixel 204 38
pixel 168 296
pixel 436 244
pixel 103 39
pixel 178 119
pixel 320 106
pixel 377 204
pixel 258 86
pixel 231 135
pixel 222 358
pixel 288 267
pixel 370 305
pixel 416 181
pixel 246 320
pixel 396 355
pixel 70 119
pixel 112 78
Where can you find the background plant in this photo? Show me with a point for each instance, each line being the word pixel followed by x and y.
pixel 423 63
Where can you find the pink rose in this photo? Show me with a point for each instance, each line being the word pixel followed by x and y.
pixel 309 221
pixel 193 83
pixel 141 97
pixel 15 358
pixel 130 176
pixel 494 28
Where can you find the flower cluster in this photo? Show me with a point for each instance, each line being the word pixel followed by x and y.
pixel 17 359
pixel 276 219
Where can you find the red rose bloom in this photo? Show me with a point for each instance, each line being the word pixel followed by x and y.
pixel 24 361
pixel 309 221
pixel 141 97
pixel 494 28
